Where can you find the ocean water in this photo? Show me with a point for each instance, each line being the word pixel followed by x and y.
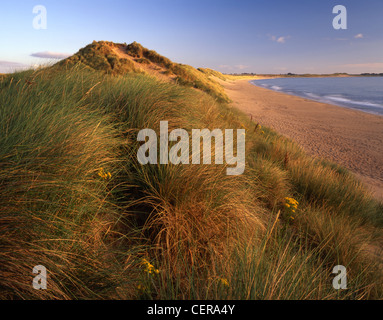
pixel 361 93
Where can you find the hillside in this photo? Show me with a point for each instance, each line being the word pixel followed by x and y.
pixel 120 59
pixel 75 199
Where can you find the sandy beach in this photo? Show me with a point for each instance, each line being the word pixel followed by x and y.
pixel 351 138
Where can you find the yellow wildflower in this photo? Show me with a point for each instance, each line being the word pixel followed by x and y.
pixel 291 206
pixel 104 175
pixel 141 287
pixel 224 282
pixel 149 268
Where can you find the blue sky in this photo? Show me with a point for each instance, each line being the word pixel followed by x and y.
pixel 262 36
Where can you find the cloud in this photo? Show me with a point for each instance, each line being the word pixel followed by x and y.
pixel 359 36
pixel 364 65
pixel 50 55
pixel 280 68
pixel 241 66
pixel 231 68
pixel 280 39
pixel 225 66
pixel 10 66
pixel 372 67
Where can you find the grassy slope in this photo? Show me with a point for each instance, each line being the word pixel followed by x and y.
pixel 104 56
pixel 207 234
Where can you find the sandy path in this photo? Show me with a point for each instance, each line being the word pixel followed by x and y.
pixel 348 137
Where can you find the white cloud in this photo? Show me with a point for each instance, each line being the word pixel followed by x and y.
pixel 241 66
pixel 50 55
pixel 225 66
pixel 359 36
pixel 279 39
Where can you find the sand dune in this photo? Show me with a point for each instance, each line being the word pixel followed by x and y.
pixel 152 69
pixel 351 138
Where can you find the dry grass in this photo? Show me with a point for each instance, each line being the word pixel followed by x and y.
pixel 210 236
pixel 119 59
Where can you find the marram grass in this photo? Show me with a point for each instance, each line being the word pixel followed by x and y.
pixel 74 199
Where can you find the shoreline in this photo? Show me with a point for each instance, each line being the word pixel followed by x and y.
pixel 317 100
pixel 351 138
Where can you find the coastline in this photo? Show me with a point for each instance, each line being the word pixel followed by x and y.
pixel 352 138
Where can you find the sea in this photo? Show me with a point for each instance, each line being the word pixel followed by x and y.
pixel 360 93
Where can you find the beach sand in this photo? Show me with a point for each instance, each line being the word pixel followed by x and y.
pixel 351 138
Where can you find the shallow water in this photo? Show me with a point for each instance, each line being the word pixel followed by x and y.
pixel 361 93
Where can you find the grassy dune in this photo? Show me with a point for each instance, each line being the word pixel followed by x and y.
pixel 74 199
pixel 119 59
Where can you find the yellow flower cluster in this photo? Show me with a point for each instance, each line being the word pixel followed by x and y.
pixel 104 175
pixel 259 127
pixel 291 206
pixel 141 287
pixel 224 282
pixel 149 268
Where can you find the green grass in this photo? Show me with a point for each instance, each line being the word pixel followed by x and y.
pixel 211 236
pixel 100 56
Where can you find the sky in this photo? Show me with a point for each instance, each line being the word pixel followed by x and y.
pixel 232 36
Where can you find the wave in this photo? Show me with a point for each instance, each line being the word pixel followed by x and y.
pixel 349 95
pixel 354 102
pixel 266 85
pixel 312 95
